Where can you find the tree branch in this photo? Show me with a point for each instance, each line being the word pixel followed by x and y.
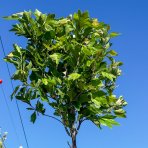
pixel 76 97
pixel 68 133
pixel 80 122
pixel 69 144
pixel 53 118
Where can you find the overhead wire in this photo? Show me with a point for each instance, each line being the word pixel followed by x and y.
pixel 18 109
pixel 10 114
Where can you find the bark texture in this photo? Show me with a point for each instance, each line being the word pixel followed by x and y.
pixel 74 143
pixel 73 132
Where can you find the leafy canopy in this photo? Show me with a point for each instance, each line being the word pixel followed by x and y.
pixel 67 64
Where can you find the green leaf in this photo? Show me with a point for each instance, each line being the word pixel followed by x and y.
pixel 40 107
pixel 97 123
pixel 13 16
pixel 113 53
pixel 97 103
pixel 109 116
pixel 29 66
pixel 33 117
pixel 37 13
pixel 108 75
pixel 48 28
pixel 88 63
pixel 86 51
pixel 68 28
pixel 10 55
pixel 108 122
pixel 56 57
pixel 102 101
pixel 120 113
pixel 45 81
pixel 107 46
pixel 17 48
pixel 17 75
pixel 52 81
pixel 73 76
pixel 15 90
pixel 75 16
pixel 83 98
pixel 114 34
pixel 27 16
pixel 95 23
pixel 30 108
pixel 63 21
pixel 60 93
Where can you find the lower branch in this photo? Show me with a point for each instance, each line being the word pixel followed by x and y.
pixel 80 122
pixel 69 144
pixel 53 118
pixel 68 133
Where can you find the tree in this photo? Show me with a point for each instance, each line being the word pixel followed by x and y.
pixel 69 65
pixel 3 137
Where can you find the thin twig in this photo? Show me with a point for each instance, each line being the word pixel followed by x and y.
pixel 54 118
pixel 79 95
pixel 68 133
pixel 80 122
pixel 69 144
pixel 48 115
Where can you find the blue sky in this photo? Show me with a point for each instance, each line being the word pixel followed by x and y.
pixel 129 17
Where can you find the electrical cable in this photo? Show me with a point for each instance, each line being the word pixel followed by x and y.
pixel 15 99
pixel 10 115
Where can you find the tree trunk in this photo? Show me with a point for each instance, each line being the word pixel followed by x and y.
pixel 73 136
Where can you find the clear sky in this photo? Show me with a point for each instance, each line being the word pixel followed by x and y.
pixel 130 18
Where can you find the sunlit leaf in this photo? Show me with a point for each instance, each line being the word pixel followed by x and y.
pixel 73 76
pixel 112 53
pixel 114 34
pixel 108 75
pixel 56 57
